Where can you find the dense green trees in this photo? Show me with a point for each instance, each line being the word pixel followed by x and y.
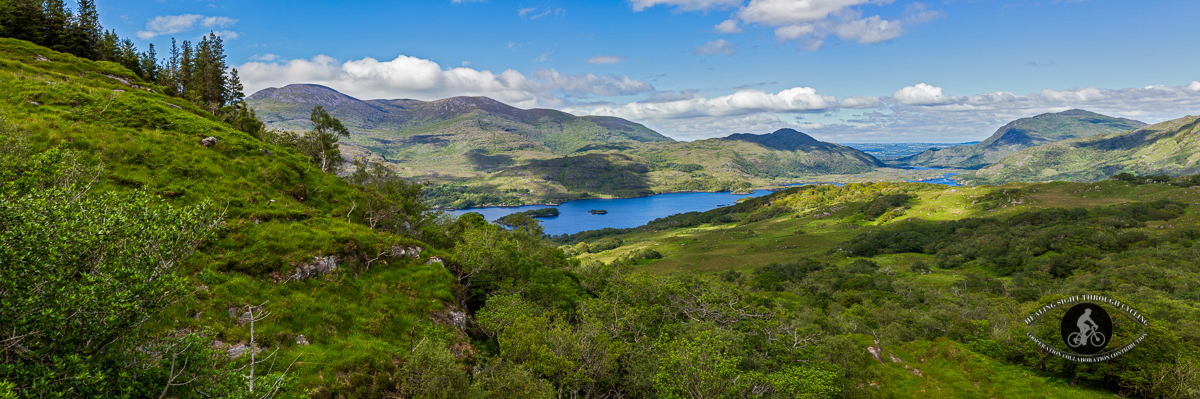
pixel 83 273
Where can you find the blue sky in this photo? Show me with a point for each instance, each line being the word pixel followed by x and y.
pixel 840 70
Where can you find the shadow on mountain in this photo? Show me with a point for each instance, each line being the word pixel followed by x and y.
pixel 481 161
pixel 435 139
pixel 604 147
pixel 614 174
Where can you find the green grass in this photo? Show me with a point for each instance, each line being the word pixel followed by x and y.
pixel 944 368
pixel 280 213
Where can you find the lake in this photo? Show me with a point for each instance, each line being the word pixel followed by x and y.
pixel 945 180
pixel 573 217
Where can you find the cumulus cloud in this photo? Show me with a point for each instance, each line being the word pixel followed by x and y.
pixel 605 59
pixel 719 46
pixel 685 5
pixel 869 30
pixel 168 24
pixel 921 94
pixel 791 12
pixel 811 20
pixel 728 26
pixel 743 102
pixel 1194 86
pixel 411 77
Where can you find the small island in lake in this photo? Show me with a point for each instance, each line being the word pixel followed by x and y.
pixel 513 219
pixel 598 212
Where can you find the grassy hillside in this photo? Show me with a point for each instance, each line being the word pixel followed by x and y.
pixel 865 260
pixel 1171 148
pixel 1022 133
pixel 281 214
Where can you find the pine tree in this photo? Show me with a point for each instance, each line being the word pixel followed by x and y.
pixel 149 65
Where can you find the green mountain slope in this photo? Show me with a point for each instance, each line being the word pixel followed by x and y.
pixel 283 217
pixel 1171 148
pixel 1022 133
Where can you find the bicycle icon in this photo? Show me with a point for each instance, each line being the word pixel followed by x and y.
pixel 1095 338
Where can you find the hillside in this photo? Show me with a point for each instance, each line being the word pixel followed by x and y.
pixel 940 277
pixel 284 224
pixel 1171 148
pixel 1019 134
pixel 478 151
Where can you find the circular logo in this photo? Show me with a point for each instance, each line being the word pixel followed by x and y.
pixel 1086 328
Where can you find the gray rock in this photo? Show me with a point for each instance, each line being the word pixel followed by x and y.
pixel 320 266
pixel 300 340
pixel 209 141
pixel 244 319
pixel 237 351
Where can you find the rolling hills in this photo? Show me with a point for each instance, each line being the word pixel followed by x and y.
pixel 1019 134
pixel 1171 148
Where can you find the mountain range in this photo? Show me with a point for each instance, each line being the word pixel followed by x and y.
pixel 1019 134
pixel 477 151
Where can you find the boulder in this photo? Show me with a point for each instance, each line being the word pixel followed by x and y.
pixel 209 141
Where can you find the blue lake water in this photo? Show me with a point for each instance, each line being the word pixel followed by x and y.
pixel 946 180
pixel 573 217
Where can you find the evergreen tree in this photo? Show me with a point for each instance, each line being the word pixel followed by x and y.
pixel 149 64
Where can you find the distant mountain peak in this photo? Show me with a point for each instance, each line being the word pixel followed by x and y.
pixel 303 93
pixel 782 139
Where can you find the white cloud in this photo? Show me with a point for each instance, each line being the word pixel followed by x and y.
pixel 227 34
pixel 719 46
pixel 921 94
pixel 744 102
pixel 168 24
pixel 605 59
pixel 860 102
pixel 544 57
pixel 466 63
pixel 870 30
pixel 728 26
pixel 811 19
pixel 685 5
pixel 585 85
pixel 922 113
pixel 791 32
pixel 264 57
pixel 411 77
pixel 531 12
pixel 792 12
